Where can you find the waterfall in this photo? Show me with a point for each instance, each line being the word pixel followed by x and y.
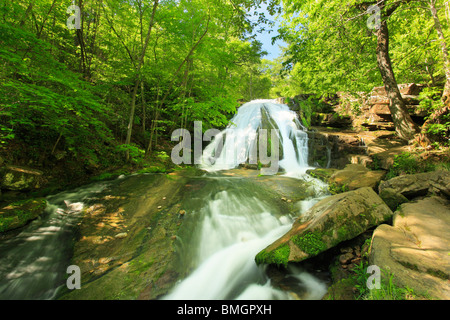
pixel 234 225
pixel 238 143
pixel 230 230
pixel 230 220
pixel 230 233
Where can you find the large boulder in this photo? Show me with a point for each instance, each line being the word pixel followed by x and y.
pixel 416 248
pixel 392 198
pixel 332 220
pixel 20 178
pixel 420 184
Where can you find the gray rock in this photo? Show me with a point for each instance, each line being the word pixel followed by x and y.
pixel 421 184
pixel 392 198
pixel 333 220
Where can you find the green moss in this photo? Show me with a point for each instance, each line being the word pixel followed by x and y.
pixel 321 174
pixel 279 256
pixel 6 222
pixel 311 243
pixel 153 169
pixel 343 233
pixel 335 188
pixel 141 265
pixel 341 290
pixel 19 213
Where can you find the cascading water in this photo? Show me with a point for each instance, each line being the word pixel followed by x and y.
pixel 234 227
pixel 229 231
pixel 235 144
pixel 224 231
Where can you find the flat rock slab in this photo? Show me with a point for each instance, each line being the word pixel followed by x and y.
pixel 356 176
pixel 420 184
pixel 416 249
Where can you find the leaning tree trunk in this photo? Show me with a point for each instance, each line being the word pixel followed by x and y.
pixel 443 44
pixel 404 125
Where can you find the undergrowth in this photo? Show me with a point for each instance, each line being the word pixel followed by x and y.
pixel 410 163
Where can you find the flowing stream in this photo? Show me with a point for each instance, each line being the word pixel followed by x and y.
pixel 229 231
pixel 235 226
pixel 229 227
pixel 33 263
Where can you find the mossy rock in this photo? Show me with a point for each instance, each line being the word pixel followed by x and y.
pixel 278 257
pixel 392 198
pixel 355 176
pixel 321 174
pixel 344 289
pixel 21 178
pixel 19 213
pixel 331 221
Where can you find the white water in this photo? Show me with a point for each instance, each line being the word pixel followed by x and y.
pixel 232 229
pixel 235 144
pixel 231 233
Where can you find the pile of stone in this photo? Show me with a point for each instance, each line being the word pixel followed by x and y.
pixel 410 216
pixel 379 116
pixel 349 257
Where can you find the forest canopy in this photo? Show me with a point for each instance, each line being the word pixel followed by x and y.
pixel 129 73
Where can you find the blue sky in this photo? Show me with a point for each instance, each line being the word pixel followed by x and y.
pixel 266 39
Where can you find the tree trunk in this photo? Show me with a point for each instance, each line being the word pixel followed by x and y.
pixel 44 20
pixel 437 25
pixel 138 80
pixel 25 16
pixel 161 103
pixel 404 125
pixel 144 107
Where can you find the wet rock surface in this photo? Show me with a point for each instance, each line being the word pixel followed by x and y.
pixel 130 239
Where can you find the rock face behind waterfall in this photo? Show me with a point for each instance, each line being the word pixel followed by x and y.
pixel 329 222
